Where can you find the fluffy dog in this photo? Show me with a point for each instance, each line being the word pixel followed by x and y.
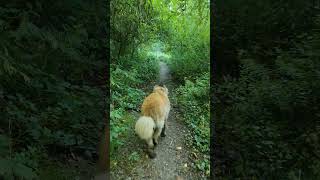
pixel 154 114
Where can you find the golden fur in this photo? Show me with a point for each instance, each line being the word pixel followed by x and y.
pixel 154 114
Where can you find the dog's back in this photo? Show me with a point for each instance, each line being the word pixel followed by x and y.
pixel 156 105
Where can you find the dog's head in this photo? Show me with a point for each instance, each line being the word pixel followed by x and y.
pixel 162 89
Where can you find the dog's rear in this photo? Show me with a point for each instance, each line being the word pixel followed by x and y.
pixel 155 110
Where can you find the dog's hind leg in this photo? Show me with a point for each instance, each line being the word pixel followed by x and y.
pixel 159 127
pixel 150 150
pixel 163 132
pixel 156 135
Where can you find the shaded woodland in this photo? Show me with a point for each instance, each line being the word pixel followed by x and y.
pixel 266 89
pixel 53 65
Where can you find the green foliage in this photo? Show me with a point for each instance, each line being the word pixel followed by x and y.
pixel 130 25
pixel 134 156
pixel 122 86
pixel 189 39
pixel 266 92
pixel 185 30
pixel 260 27
pixel 126 94
pixel 271 115
pixel 22 164
pixel 131 65
pixel 192 98
pixel 53 105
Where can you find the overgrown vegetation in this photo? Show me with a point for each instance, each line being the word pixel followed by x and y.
pixel 51 88
pixel 131 65
pixel 266 94
pixel 190 64
pixel 144 33
pixel 192 98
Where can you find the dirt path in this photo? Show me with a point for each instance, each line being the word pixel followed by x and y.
pixel 174 157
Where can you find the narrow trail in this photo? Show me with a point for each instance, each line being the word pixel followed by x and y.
pixel 164 74
pixel 174 157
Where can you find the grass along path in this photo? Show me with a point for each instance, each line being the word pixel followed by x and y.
pixel 175 159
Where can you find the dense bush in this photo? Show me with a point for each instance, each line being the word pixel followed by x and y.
pixel 261 27
pixel 189 47
pixel 268 118
pixel 192 99
pixel 52 59
pixel 131 65
pixel 266 89
pixel 190 41
pixel 126 94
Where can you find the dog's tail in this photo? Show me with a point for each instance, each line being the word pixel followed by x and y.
pixel 145 127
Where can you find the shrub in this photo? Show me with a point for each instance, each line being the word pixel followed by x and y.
pixel 192 98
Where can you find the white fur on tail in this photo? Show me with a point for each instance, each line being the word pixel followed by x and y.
pixel 144 127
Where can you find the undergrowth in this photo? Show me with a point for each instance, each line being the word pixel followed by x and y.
pixel 127 96
pixel 51 96
pixel 271 115
pixel 193 101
